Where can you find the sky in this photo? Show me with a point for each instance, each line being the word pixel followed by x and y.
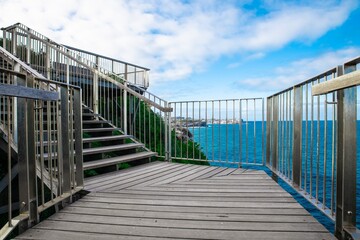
pixel 204 49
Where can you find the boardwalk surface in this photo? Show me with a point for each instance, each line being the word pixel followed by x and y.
pixel 176 201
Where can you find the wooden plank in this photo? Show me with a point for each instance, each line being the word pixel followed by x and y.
pixel 178 192
pixel 200 172
pixel 224 186
pixel 210 190
pixel 136 179
pixel 123 174
pixel 226 172
pixel 208 216
pixel 189 209
pixel 176 201
pixel 145 178
pixel 25 92
pixel 190 224
pixel 212 173
pixel 173 176
pixel 190 170
pixel 179 233
pixel 345 81
pixel 163 202
pixel 242 182
pixel 45 234
pixel 197 198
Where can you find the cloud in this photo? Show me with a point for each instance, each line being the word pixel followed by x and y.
pixel 176 38
pixel 298 71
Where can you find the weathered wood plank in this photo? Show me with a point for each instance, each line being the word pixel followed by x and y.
pixel 45 234
pixel 167 201
pixel 138 178
pixel 210 189
pixel 226 172
pixel 189 224
pixel 123 174
pixel 345 81
pixel 208 216
pixel 196 198
pixel 178 192
pixel 171 176
pixel 189 209
pixel 178 233
pixel 163 202
pixel 212 173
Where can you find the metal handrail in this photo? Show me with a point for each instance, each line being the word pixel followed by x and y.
pixel 91 66
pixel 311 142
pixel 26 93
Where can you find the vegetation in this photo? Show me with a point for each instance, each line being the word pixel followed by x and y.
pixel 150 129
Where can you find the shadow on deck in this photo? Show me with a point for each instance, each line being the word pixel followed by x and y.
pixel 175 201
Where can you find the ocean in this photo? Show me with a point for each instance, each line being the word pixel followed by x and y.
pixel 221 144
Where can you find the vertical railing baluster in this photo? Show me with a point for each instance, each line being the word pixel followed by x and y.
pixel 297 136
pixel 346 161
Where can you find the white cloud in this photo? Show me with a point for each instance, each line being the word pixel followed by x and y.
pixel 299 71
pixel 175 38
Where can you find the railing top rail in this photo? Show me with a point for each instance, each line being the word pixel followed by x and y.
pixel 32 72
pixel 319 76
pixel 105 57
pixel 73 48
pixel 25 92
pixel 345 81
pixel 353 61
pixel 217 100
pixel 87 64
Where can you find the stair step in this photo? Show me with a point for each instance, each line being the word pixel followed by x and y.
pixel 117 160
pixel 95 121
pixel 113 148
pixel 106 138
pixel 91 115
pixel 101 129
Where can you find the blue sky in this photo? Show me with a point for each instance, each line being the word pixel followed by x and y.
pixel 207 49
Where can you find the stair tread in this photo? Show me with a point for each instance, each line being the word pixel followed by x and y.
pixel 101 129
pixel 95 121
pixel 116 160
pixel 91 114
pixel 111 148
pixel 105 138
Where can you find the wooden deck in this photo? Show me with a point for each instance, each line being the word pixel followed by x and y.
pixel 176 201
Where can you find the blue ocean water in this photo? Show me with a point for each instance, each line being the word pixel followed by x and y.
pixel 227 145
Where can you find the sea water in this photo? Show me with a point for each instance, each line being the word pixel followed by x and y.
pixel 228 144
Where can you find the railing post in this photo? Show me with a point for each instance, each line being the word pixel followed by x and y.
pixel 275 133
pixel 95 100
pixel 346 162
pixel 272 134
pixel 28 50
pixel 167 135
pixel 26 160
pixel 268 130
pixel 78 137
pixel 297 129
pixel 125 120
pixel 65 156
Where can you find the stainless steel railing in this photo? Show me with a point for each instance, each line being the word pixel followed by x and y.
pixel 133 74
pixel 105 88
pixel 40 121
pixel 219 131
pixel 311 143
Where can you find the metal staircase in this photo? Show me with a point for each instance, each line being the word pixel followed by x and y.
pixel 111 98
pixel 105 146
